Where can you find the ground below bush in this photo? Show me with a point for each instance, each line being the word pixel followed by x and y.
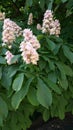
pixel 54 124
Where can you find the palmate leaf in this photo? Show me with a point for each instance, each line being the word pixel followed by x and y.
pixel 18 96
pixel 44 94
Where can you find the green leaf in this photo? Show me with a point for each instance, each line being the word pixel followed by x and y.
pixel 0 72
pixel 65 69
pixel 52 76
pixel 14 1
pixel 61 107
pixel 42 64
pixel 68 53
pixel 2 60
pixel 51 65
pixel 62 80
pixel 6 81
pixel 18 96
pixel 57 48
pixel 15 59
pixel 42 3
pixel 64 1
pixel 44 95
pixel 12 70
pixel 50 4
pixel 29 3
pixel 46 115
pixel 68 70
pixel 52 85
pixel 32 97
pixel 18 81
pixel 51 44
pixel 3 110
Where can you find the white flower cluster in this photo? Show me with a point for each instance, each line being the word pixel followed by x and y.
pixel 10 31
pixel 50 25
pixel 29 46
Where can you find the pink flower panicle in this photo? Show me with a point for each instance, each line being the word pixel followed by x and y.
pixel 29 46
pixel 28 36
pixel 8 57
pixel 10 31
pixel 30 19
pixel 50 25
pixel 29 54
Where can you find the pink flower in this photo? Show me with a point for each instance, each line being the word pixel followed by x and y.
pixel 8 57
pixel 27 34
pixel 48 14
